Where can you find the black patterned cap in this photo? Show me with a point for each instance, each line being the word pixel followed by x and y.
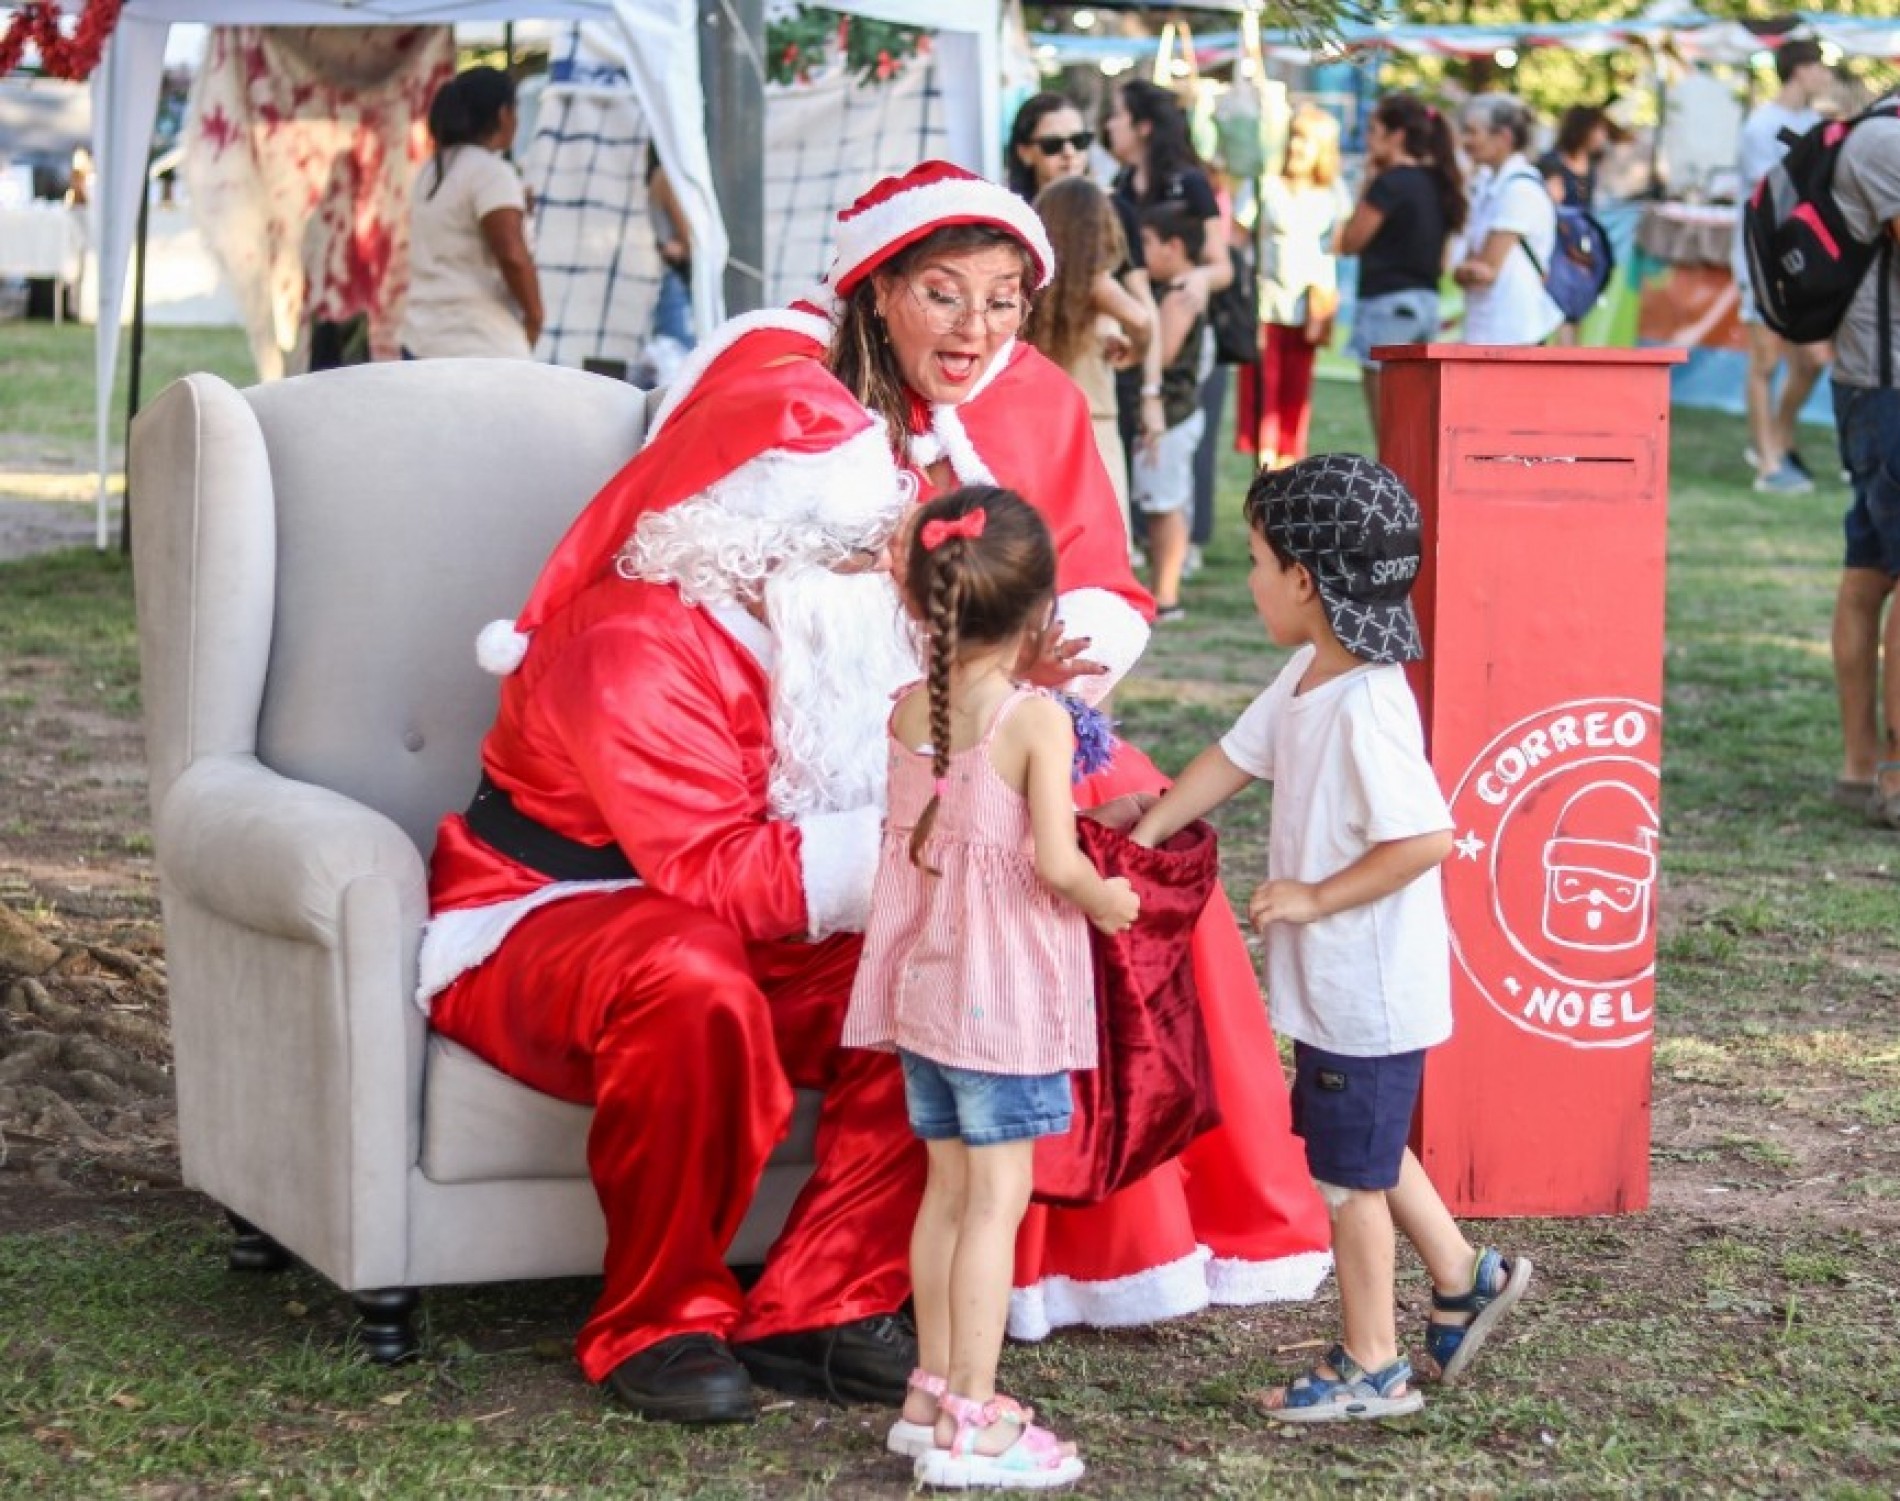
pixel 1356 528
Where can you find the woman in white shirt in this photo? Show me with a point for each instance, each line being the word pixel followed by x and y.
pixel 1511 233
pixel 472 283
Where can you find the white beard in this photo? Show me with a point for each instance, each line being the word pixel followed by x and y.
pixel 844 647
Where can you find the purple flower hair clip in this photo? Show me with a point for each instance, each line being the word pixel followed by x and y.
pixel 1094 736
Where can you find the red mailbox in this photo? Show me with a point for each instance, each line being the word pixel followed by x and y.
pixel 1543 475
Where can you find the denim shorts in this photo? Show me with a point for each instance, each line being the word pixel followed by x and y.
pixel 983 1109
pixel 1868 422
pixel 1355 1114
pixel 1393 318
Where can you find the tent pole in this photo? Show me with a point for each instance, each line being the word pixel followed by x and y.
pixel 731 67
pixel 508 48
pixel 138 352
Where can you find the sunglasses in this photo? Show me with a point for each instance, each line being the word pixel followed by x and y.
pixel 1052 145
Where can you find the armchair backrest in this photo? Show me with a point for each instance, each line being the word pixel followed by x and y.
pixel 334 544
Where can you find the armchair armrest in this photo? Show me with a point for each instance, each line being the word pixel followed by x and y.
pixel 276 855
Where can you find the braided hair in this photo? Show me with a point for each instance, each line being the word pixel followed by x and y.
pixel 971 591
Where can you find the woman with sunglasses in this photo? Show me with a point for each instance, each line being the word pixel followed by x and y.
pixel 1047 143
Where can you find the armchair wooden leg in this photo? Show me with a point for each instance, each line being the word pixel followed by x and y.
pixel 387 1330
pixel 252 1250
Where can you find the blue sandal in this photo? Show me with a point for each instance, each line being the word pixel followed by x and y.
pixel 1351 1392
pixel 1496 1285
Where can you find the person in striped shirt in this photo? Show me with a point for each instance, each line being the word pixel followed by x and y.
pixel 976 965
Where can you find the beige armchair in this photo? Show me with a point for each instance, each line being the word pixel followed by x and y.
pixel 313 560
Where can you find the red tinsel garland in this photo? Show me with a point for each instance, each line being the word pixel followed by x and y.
pixel 61 56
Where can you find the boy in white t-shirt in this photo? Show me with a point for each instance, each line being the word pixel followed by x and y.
pixel 1358 954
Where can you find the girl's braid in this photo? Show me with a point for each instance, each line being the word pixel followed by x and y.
pixel 946 581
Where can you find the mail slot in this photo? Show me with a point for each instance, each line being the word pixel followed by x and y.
pixel 1543 477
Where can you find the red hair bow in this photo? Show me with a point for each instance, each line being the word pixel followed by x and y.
pixel 970 524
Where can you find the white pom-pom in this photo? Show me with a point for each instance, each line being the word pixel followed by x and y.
pixel 500 647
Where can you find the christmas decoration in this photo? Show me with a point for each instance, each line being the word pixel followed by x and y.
pixel 61 56
pixel 800 40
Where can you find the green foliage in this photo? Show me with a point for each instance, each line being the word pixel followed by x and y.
pixel 801 44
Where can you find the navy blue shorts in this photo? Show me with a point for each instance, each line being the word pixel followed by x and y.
pixel 983 1109
pixel 1355 1114
pixel 1868 423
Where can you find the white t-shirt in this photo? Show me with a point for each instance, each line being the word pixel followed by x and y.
pixel 1347 763
pixel 458 302
pixel 1867 188
pixel 1759 148
pixel 1514 309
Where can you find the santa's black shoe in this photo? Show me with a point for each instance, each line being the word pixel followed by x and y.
pixel 867 1360
pixel 690 1378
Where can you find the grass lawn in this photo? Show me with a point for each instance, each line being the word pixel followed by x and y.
pixel 1738 1338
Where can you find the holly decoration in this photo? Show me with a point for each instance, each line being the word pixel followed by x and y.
pixel 800 40
pixel 61 56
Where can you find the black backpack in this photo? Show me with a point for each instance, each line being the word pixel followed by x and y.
pixel 1804 263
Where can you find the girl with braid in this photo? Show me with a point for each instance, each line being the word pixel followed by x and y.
pixel 976 963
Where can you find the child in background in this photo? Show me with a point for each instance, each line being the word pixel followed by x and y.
pixel 1358 953
pixel 1162 483
pixel 1085 320
pixel 976 965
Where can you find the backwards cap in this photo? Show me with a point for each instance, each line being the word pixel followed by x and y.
pixel 899 211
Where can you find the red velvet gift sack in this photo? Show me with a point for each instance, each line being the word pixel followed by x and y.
pixel 1152 1089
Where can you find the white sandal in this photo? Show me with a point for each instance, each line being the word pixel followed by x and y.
pixel 909 1440
pixel 1034 1462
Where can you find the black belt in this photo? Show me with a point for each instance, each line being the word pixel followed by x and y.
pixel 494 819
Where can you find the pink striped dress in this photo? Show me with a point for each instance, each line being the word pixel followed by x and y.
pixel 982 967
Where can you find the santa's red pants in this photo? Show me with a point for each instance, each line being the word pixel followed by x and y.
pixel 688 1042
pixel 1275 400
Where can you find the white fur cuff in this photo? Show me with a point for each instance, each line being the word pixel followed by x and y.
pixel 838 854
pixel 1117 637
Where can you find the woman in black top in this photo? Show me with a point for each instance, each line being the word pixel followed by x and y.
pixel 1411 201
pixel 1570 167
pixel 1147 132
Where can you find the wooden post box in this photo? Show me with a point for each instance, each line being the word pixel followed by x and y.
pixel 1543 475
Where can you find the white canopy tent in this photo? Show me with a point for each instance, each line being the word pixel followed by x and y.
pixel 662 61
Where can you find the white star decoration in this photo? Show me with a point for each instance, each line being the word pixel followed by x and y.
pixel 1468 846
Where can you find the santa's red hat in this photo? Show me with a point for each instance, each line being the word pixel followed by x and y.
pixel 764 431
pixel 900 211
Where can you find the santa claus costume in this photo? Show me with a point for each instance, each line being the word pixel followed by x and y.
pixel 651 907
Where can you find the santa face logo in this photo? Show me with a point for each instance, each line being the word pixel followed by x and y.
pixel 1551 888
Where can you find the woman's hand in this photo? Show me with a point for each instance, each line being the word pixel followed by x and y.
pixel 1121 813
pixel 1053 660
pixel 1474 273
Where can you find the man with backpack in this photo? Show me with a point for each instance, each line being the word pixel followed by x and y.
pixel 1778 466
pixel 1866 190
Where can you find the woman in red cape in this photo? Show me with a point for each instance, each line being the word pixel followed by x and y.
pixel 1235 1219
pixel 919 317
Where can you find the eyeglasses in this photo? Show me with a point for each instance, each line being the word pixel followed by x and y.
pixel 1053 145
pixel 945 312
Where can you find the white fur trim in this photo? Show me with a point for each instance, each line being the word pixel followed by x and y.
pixel 1168 1291
pixel 721 339
pixel 1290 1279
pixel 847 486
pixel 1117 637
pixel 867 235
pixel 952 438
pixel 838 855
pixel 455 942
pixel 499 647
